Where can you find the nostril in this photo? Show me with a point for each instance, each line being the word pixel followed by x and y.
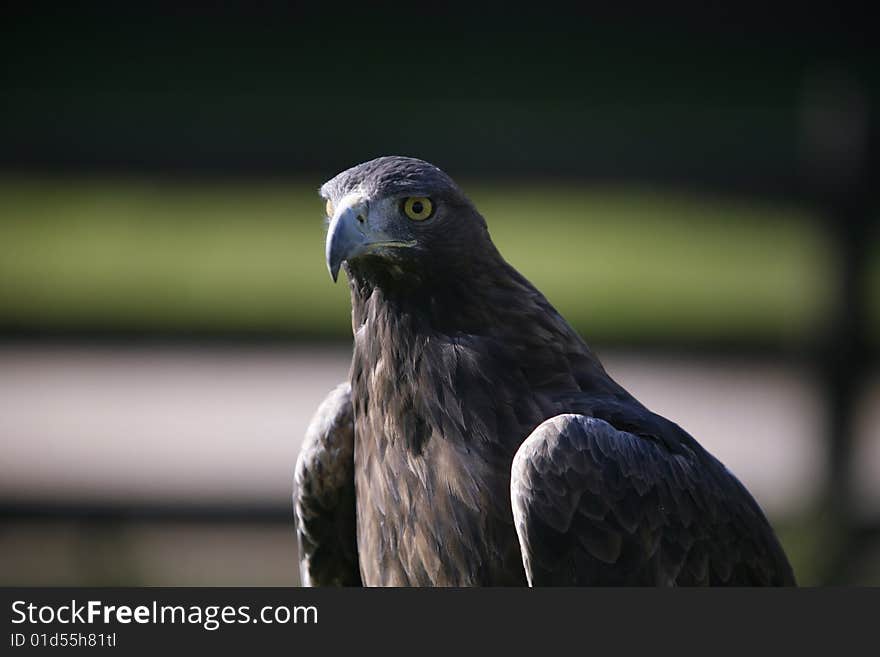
pixel 360 218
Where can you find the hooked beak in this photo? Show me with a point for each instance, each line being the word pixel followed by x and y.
pixel 350 236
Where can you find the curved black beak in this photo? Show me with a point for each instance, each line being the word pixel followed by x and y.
pixel 346 238
pixel 350 235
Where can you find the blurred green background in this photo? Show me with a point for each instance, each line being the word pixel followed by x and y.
pixel 621 263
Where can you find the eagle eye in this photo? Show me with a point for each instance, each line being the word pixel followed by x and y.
pixel 418 208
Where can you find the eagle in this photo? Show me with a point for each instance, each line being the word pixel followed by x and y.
pixel 479 441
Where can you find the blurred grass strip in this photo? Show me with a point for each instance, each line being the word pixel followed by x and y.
pixel 619 263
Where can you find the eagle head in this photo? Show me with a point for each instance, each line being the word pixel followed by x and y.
pixel 400 218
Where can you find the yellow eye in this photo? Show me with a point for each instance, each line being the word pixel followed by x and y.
pixel 329 208
pixel 418 208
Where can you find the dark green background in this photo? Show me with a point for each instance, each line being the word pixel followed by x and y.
pixel 645 166
pixel 689 93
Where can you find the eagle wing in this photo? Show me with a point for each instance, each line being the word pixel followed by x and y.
pixel 594 505
pixel 324 498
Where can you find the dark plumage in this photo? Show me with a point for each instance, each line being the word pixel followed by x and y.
pixel 481 442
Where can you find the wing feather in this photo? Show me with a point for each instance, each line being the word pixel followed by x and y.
pixel 324 497
pixel 597 506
